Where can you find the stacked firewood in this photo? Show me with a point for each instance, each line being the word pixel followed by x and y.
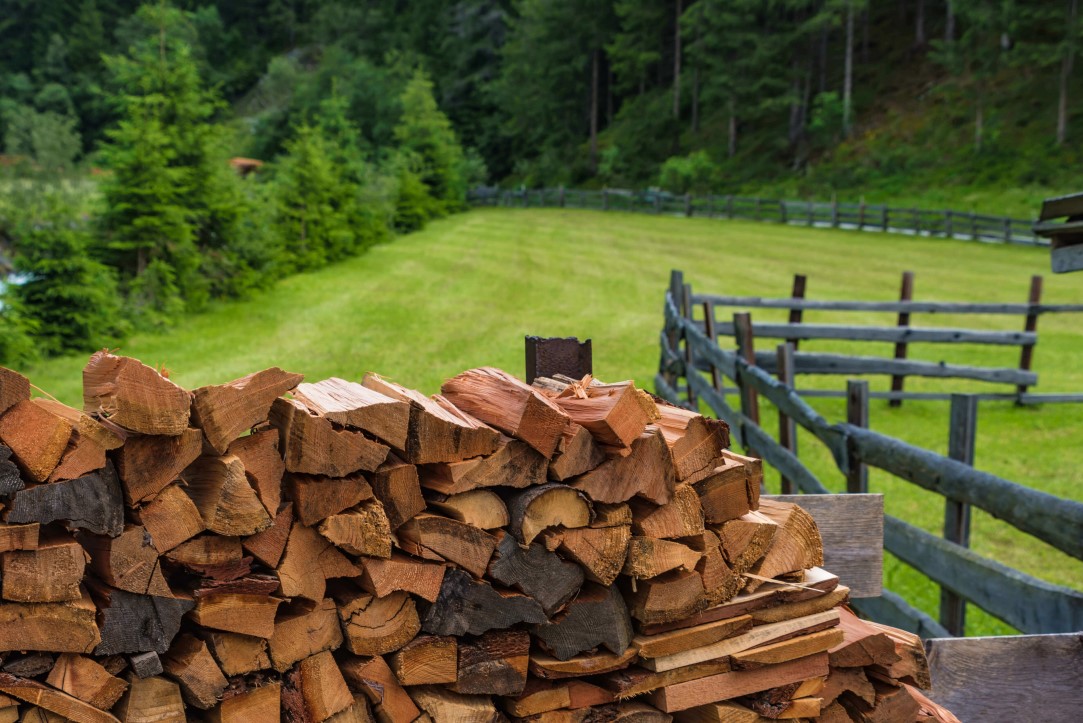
pixel 269 549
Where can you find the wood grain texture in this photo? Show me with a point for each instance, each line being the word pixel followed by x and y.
pixel 225 411
pixel 353 405
pixel 36 437
pixel 133 396
pixel 91 502
pixel 647 471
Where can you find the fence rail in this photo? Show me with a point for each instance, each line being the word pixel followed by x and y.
pixel 1029 604
pixel 860 216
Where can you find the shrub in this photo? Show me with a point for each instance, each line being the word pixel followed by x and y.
pixel 694 173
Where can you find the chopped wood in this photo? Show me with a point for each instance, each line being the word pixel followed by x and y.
pixel 513 464
pixel 848 680
pixel 226 411
pixel 256 705
pixel 363 530
pixel 248 614
pixel 438 432
pixel 754 469
pixel 601 551
pixel 11 480
pixel 395 484
pixel 146 464
pixel 399 572
pixel 51 573
pixel 66 627
pixel 19 537
pixel 28 665
pixel 536 572
pixel 468 547
pixel 312 445
pixel 37 438
pixel 193 667
pixel 780 652
pixel 54 701
pixel 632 681
pixel 682 516
pixel 442 705
pixel 696 442
pixel 322 687
pixel 82 455
pixel 577 453
pixel 544 506
pixel 502 401
pixel 612 413
pixel 225 500
pixel 206 553
pixel 237 654
pixel 91 502
pixel 541 696
pixel 863 644
pixel 87 680
pixel 746 539
pixel 494 663
pixel 372 677
pixel 892 703
pixel 720 581
pixel 129 562
pixel 796 545
pixel 134 396
pixel 427 660
pixel 548 667
pixel 316 497
pixel 106 435
pixel 932 712
pixel 299 572
pixel 798 608
pixel 170 518
pixel 302 633
pixel 676 641
pixel 263 465
pixel 133 623
pixel 353 405
pixel 375 626
pixel 359 712
pixel 597 616
pixel 267 546
pixel 468 606
pixel 480 508
pixel 725 492
pixel 646 471
pixel 670 596
pixel 912 666
pixel 151 700
pixel 14 388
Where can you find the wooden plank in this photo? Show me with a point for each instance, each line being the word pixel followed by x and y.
pixel 817 363
pixel 852 529
pixel 913 307
pixel 906 293
pixel 787 427
pixel 1059 206
pixel 911 334
pixel 961 432
pixel 750 406
pixel 1025 677
pixel 1066 258
pixel 1026 354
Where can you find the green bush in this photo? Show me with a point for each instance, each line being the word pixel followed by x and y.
pixel 694 173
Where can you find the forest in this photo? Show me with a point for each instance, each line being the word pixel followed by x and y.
pixel 120 209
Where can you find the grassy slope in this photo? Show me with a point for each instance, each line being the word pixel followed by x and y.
pixel 465 291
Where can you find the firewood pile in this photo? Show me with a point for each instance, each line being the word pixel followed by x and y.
pixel 270 549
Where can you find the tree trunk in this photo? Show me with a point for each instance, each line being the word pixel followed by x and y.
pixel 919 25
pixel 979 120
pixel 949 23
pixel 677 61
pixel 608 95
pixel 865 35
pixel 848 78
pixel 695 99
pixel 594 111
pixel 825 35
pixel 1066 74
pixel 733 129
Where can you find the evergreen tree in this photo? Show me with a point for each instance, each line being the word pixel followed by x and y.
pixel 425 135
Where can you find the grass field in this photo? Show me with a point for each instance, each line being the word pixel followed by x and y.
pixel 466 290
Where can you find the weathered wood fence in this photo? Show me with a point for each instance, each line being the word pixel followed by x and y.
pixel 692 369
pixel 836 214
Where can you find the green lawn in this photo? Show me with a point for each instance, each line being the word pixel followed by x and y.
pixel 466 290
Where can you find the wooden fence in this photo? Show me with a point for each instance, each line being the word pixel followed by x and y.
pixel 860 216
pixel 1027 603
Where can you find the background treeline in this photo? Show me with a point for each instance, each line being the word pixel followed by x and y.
pixel 374 117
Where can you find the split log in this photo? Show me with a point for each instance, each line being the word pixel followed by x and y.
pixel 798 608
pixel 863 644
pixel 395 484
pixel 696 442
pixel 467 606
pixel 353 405
pixel 91 502
pixel 322 687
pixel 301 633
pixel 427 660
pixel 541 696
pixel 502 401
pixel 359 712
pixel 676 641
pixel 671 596
pixel 375 626
pixel 82 455
pixel 145 665
pixel 493 664
pixel 307 563
pixel 746 539
pixel 912 666
pixel 225 500
pixel 646 471
pixel 170 518
pixel 632 681
pixel 311 445
pixel 480 508
pixel 133 623
pixel 237 612
pixel 600 551
pixel 372 677
pixel 577 454
pixel 14 388
pixel 682 516
pixel 648 557
pixel 782 651
pixel 796 545
pixel 399 572
pixel 438 431
pixel 85 679
pixel 364 530
pixel 268 546
pixel 725 492
pixel 468 547
pixel 28 665
pixel 720 581
pixel 66 706
pixel 848 680
pixel 754 470
pixel 612 413
pixel 151 700
pixel 597 616
pixel 549 505
pixel 134 396
pixel 51 573
pixel 444 706
pixel 263 465
pixel 255 705
pixel 513 464
pixel 207 555
pixel 129 562
pixel 548 667
pixel 536 572
pixel 146 464
pixel 892 703
pixel 19 537
pixel 682 696
pixel 226 411
pixel 237 654
pixel 193 667
pixel 37 438
pixel 316 497
pixel 106 435
pixel 11 480
pixel 67 627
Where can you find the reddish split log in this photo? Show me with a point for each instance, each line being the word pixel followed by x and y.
pixel 541 696
pixel 86 679
pixel 577 454
pixel 493 664
pixel 151 700
pixel 648 557
pixel 300 633
pixel 128 562
pixel 312 445
pixel 550 505
pixel 66 627
pixel 170 518
pixel 82 455
pixel 612 413
pixel 316 498
pixel 37 438
pixel 226 411
pixel 427 660
pixel 647 471
pixel 513 464
pixel 682 516
pixel 353 405
pixel 468 547
pixel 134 396
pixel 372 677
pixel 193 667
pixel 146 464
pixel 14 388
pixel 51 573
pixel 256 704
pixel 696 442
pixel 263 465
pixel 395 484
pixel 364 530
pixel 600 551
pixel 376 626
pixel 399 572
pixel 267 546
pixel 237 654
pixel 19 537
pixel 796 545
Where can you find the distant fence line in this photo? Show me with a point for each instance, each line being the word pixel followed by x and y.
pixel 962 225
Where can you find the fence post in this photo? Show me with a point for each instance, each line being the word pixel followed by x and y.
pixel 948 232
pixel 658 203
pixel 526 198
pixel 710 205
pixel 688 204
pixel 883 218
pixel 857 414
pixel 961 435
pixel 782 212
pixel 917 221
pixel 787 428
pixel 729 206
pixel 605 199
pixel 689 358
pixel 750 403
pixel 1007 230
pixel 906 293
pixel 546 357
pixel 811 214
pixel 1026 357
pixel 834 211
pixel 712 334
pixel 796 314
pixel 561 196
pixel 861 215
pixel 973 227
pixel 758 209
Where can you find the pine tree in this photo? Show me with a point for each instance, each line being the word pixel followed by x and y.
pixel 425 134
